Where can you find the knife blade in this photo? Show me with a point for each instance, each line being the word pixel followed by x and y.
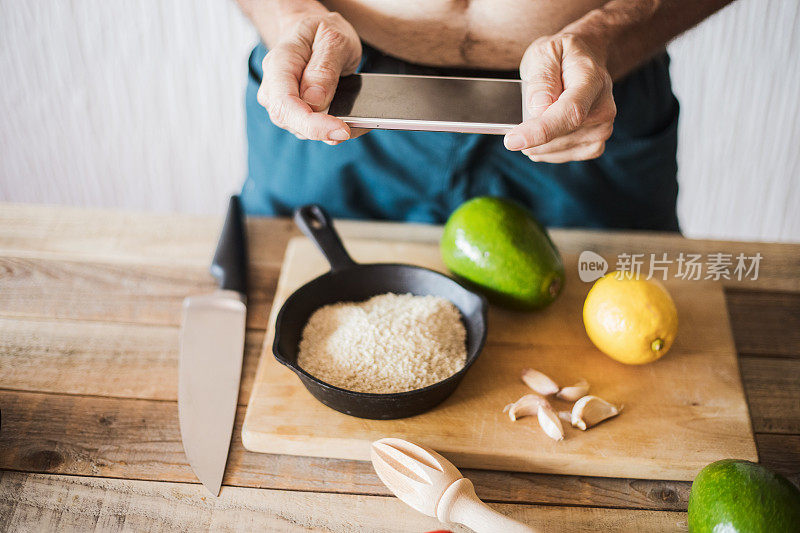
pixel 211 352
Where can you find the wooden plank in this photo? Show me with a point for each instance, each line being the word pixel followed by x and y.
pixel 135 361
pixel 765 323
pixel 142 294
pixel 138 238
pixel 45 503
pixel 131 238
pixel 113 236
pixel 780 453
pixel 60 356
pixel 772 387
pixel 141 440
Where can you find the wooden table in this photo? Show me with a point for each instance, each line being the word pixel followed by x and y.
pixel 89 312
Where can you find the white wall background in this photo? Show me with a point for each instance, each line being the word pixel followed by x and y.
pixel 138 104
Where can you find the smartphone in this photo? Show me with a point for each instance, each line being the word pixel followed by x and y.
pixel 428 103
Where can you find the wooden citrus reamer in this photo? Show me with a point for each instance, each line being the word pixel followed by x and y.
pixel 432 485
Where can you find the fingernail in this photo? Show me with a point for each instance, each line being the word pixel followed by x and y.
pixel 514 142
pixel 339 135
pixel 314 95
pixel 540 99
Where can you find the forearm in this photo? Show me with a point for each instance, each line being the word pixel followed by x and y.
pixel 272 17
pixel 631 31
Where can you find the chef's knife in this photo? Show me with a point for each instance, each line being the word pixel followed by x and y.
pixel 211 348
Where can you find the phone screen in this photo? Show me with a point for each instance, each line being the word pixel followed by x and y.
pixel 429 99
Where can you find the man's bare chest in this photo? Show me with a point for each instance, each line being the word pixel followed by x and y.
pixel 477 33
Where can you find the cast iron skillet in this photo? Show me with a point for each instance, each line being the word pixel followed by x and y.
pixel 350 281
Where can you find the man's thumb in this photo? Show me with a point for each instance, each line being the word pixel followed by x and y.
pixel 320 78
pixel 541 86
pixel 332 54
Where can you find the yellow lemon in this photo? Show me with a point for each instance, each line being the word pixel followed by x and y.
pixel 630 319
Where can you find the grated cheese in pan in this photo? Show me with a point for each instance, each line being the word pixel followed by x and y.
pixel 389 343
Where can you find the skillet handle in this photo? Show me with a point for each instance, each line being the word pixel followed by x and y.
pixel 315 223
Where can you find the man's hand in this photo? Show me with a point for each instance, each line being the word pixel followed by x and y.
pixel 301 73
pixel 568 96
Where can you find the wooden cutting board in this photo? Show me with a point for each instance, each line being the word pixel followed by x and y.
pixel 680 413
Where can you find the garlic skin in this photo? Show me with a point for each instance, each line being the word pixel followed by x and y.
pixel 574 392
pixel 590 411
pixel 550 423
pixel 539 382
pixel 526 406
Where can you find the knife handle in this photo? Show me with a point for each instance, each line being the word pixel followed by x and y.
pixel 229 266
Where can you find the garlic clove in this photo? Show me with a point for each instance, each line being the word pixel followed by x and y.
pixel 541 383
pixel 525 406
pixel 574 392
pixel 565 416
pixel 591 410
pixel 550 423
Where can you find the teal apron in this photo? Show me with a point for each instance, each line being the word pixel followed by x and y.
pixel 424 176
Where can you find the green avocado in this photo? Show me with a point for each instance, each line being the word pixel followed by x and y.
pixel 732 496
pixel 498 247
